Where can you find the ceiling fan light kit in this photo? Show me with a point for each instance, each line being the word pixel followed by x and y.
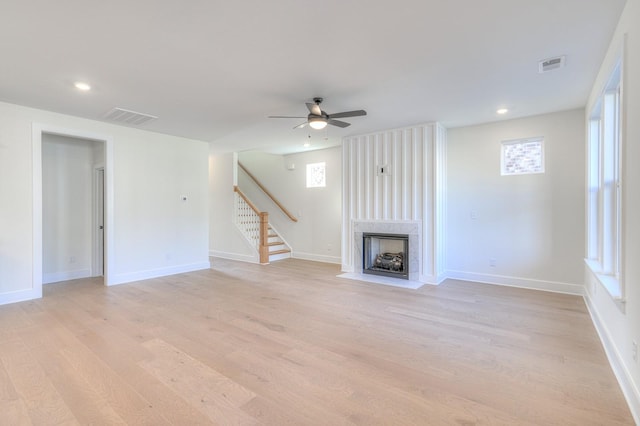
pixel 318 119
pixel 317 123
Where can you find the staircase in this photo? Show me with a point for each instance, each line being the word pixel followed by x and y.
pixel 255 227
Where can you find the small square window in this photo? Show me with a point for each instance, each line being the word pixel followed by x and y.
pixel 316 175
pixel 522 156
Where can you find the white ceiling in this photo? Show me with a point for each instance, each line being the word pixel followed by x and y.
pixel 214 70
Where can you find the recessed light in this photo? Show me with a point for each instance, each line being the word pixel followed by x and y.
pixel 502 111
pixel 307 145
pixel 82 86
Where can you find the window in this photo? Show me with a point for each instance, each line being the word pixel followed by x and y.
pixel 522 156
pixel 604 195
pixel 316 175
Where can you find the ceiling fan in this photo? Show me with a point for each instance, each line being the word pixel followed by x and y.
pixel 318 119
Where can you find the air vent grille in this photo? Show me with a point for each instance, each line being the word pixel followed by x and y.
pixel 125 116
pixel 550 64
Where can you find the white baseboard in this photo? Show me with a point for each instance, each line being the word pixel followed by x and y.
pixel 552 286
pixel 432 279
pixel 20 296
pixel 317 257
pixel 155 273
pixel 54 277
pixel 625 380
pixel 234 256
pixel 347 269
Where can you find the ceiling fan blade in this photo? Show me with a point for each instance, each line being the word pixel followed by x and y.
pixel 314 108
pixel 356 113
pixel 301 125
pixel 284 116
pixel 339 123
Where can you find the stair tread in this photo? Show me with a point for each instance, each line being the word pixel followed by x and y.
pixel 279 251
pixel 276 243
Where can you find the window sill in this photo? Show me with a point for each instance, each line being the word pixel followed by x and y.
pixel 612 284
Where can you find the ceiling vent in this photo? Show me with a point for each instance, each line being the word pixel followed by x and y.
pixel 551 64
pixel 125 116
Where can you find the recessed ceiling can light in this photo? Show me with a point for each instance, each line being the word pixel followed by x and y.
pixel 82 86
pixel 502 111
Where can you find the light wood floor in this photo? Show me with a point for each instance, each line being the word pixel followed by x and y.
pixel 290 343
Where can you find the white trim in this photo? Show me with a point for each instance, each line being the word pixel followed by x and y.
pixel 160 272
pixel 609 282
pixel 625 380
pixel 20 296
pixel 37 129
pixel 433 279
pixel 36 278
pixel 317 257
pixel 234 256
pixel 552 286
pixel 54 277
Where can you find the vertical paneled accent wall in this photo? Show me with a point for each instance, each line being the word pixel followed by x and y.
pixel 397 176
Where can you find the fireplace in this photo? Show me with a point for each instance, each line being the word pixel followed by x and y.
pixel 385 254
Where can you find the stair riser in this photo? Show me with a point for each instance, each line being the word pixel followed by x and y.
pixel 281 256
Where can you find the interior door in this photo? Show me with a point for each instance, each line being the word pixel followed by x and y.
pixel 99 223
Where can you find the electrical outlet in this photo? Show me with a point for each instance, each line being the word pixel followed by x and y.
pixel 492 262
pixel 473 214
pixel 72 259
pixel 634 351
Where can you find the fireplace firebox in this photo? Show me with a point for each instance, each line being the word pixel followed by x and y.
pixel 386 255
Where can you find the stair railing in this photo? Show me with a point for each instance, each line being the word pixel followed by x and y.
pixel 266 191
pixel 253 224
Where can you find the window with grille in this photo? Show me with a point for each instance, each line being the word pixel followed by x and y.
pixel 604 196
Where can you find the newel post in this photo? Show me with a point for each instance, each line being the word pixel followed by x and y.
pixel 264 237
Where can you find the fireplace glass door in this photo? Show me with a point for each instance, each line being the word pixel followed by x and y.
pixel 386 255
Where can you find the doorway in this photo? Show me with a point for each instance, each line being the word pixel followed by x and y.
pixel 72 205
pixel 99 246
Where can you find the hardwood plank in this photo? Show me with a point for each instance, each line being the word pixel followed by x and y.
pixel 43 403
pixel 214 394
pixel 290 343
pixel 14 413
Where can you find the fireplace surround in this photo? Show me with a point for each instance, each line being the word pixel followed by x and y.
pixel 413 231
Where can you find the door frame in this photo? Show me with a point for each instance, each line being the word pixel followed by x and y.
pixel 37 130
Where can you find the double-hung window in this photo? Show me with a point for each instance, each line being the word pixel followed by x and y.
pixel 604 187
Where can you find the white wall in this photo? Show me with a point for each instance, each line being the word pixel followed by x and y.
pixel 532 225
pixel 225 240
pixel 164 233
pixel 316 235
pixel 154 232
pixel 619 323
pixel 67 207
